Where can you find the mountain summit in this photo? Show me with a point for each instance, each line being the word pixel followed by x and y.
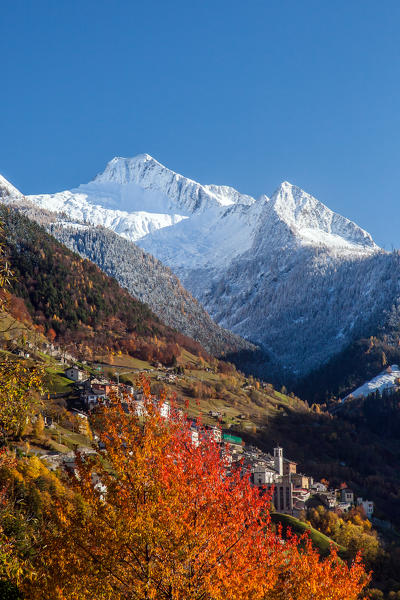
pixel 138 196
pixel 315 223
pixel 8 191
pixel 183 193
pixel 284 272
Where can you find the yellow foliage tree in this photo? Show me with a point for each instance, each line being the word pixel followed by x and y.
pixel 38 429
pixel 157 517
pixel 20 388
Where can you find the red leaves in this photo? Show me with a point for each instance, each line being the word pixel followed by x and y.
pixel 173 523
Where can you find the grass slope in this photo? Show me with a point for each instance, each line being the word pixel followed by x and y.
pixel 319 540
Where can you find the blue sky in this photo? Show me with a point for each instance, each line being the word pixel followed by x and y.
pixel 246 94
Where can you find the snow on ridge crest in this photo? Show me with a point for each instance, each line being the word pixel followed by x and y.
pixel 308 219
pixel 311 220
pixel 124 170
pixel 148 173
pixel 7 190
pixel 130 188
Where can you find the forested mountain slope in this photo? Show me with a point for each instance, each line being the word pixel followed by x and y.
pixel 360 361
pixel 147 279
pixel 72 300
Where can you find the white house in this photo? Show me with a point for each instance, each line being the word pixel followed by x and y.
pixel 92 400
pixel 262 475
pixel 194 435
pixel 212 433
pixel 165 410
pixel 367 505
pixel 347 495
pixel 317 486
pixel 216 434
pixel 139 407
pixel 344 506
pixel 75 374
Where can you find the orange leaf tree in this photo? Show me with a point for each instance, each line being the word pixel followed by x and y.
pixel 157 517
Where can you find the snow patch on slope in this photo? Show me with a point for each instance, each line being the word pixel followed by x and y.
pixel 84 206
pixel 387 380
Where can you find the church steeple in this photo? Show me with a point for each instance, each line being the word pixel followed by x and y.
pixel 278 460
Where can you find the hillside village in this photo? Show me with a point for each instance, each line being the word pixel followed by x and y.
pixel 293 492
pixel 255 426
pixel 199 301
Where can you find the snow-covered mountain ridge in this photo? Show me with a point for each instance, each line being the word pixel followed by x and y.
pixel 137 196
pixel 149 174
pixel 280 271
pixel 8 192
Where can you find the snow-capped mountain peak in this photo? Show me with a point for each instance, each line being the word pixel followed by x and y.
pixel 8 191
pixel 314 222
pixel 273 270
pixel 183 193
pixel 126 170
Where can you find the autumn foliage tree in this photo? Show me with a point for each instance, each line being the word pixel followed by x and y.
pixel 19 383
pixel 26 488
pixel 351 530
pixel 20 388
pixel 5 272
pixel 154 516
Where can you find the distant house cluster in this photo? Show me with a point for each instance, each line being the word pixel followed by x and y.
pixel 291 489
pixel 292 492
pixel 94 390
